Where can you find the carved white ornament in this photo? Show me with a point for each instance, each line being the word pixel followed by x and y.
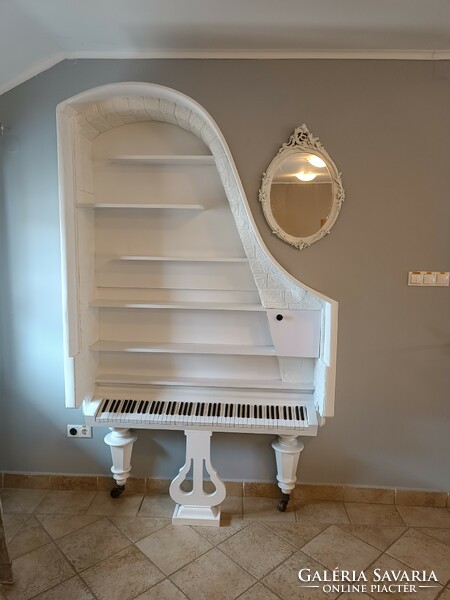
pixel 302 140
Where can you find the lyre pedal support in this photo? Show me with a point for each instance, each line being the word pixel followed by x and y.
pixel 197 507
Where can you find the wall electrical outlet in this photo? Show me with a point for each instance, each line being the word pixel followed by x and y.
pixel 83 431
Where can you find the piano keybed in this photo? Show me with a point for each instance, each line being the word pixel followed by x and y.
pixel 258 416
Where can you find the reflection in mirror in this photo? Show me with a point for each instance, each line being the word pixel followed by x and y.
pixel 301 191
pixel 301 194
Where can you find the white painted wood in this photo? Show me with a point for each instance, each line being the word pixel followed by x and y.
pixel 287 453
pixel 183 348
pixel 183 258
pixel 141 206
pixel 177 305
pixel 168 159
pixel 121 442
pixel 195 507
pixel 172 275
pixel 295 332
pixel 220 366
pixel 196 515
pixel 110 379
pixel 237 297
pixel 170 302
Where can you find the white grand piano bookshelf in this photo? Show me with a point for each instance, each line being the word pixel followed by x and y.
pixel 176 315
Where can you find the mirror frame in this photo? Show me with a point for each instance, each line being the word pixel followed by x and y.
pixel 302 140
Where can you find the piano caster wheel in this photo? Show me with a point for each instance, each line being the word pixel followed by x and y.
pixel 117 491
pixel 282 505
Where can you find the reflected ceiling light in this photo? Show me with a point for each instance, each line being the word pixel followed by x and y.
pixel 316 161
pixel 306 176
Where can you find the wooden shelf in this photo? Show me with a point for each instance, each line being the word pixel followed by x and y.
pixel 182 348
pixel 177 305
pixel 216 259
pixel 148 380
pixel 141 206
pixel 170 159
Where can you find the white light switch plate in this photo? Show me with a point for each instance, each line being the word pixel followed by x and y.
pixel 428 278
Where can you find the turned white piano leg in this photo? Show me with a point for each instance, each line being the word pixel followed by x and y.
pixel 287 453
pixel 197 507
pixel 121 443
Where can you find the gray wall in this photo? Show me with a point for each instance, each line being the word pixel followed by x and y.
pixel 386 124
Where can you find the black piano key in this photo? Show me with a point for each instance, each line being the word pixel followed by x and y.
pixel 105 405
pixel 277 411
pixel 284 413
pixel 260 411
pixel 140 406
pixel 191 407
pixel 297 413
pixel 113 403
pixel 209 409
pixel 226 411
pixel 172 410
pixel 133 406
pixel 116 408
pixel 290 413
pixel 152 408
pixel 202 409
pixel 197 409
pixel 302 412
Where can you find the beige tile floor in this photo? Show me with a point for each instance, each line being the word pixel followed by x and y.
pixel 71 545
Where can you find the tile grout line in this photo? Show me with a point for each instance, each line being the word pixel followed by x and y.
pixel 65 581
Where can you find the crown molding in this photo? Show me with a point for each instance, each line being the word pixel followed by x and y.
pixel 237 54
pixel 264 54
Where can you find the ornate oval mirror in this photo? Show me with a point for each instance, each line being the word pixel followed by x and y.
pixel 301 191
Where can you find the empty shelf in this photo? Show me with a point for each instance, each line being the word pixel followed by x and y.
pixel 182 159
pixel 182 348
pixel 177 305
pixel 141 206
pixel 136 379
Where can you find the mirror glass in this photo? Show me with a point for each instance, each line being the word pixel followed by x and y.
pixel 301 194
pixel 301 191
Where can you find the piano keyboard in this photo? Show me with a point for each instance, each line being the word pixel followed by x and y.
pixel 214 415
